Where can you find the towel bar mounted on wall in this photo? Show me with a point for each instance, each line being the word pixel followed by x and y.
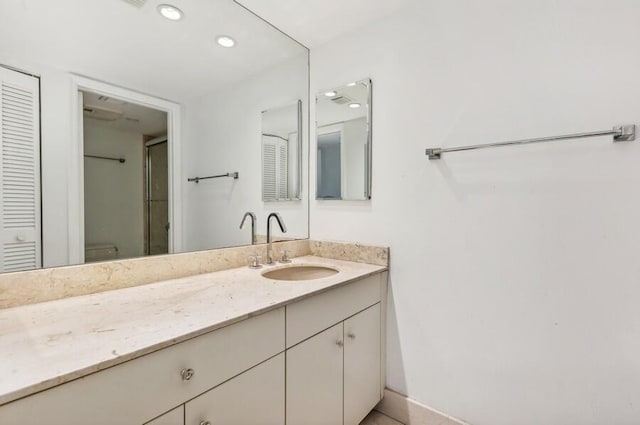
pixel 623 133
pixel 234 174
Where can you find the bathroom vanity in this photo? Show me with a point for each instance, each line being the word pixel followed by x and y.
pixel 230 347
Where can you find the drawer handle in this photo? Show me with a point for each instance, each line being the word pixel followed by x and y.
pixel 205 423
pixel 351 335
pixel 339 343
pixel 187 374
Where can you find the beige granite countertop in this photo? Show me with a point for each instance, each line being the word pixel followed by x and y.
pixel 47 344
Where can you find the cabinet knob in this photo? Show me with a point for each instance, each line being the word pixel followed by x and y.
pixel 187 374
pixel 351 335
pixel 205 423
pixel 339 343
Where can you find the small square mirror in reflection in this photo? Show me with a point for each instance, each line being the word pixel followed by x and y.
pixel 343 131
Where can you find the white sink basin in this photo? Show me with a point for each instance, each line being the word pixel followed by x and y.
pixel 300 273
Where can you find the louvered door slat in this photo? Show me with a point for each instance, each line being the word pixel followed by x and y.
pixel 16 118
pixel 283 192
pixel 269 188
pixel 19 171
pixel 18 256
pixel 17 99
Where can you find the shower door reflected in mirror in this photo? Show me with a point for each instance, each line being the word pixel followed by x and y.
pixel 343 120
pixel 157 190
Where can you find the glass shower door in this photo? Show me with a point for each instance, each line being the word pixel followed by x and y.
pixel 157 199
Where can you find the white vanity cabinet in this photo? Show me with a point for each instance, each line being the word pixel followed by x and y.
pixel 137 391
pixel 174 417
pixel 315 361
pixel 335 376
pixel 314 379
pixel 362 363
pixel 255 397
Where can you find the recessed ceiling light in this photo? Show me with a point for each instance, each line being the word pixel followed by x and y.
pixel 226 41
pixel 172 13
pixel 354 105
pixel 330 93
pixel 351 84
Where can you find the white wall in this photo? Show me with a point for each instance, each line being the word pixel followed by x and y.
pixel 514 272
pixel 225 136
pixel 114 191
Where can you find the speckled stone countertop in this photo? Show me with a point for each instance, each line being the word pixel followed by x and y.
pixel 47 344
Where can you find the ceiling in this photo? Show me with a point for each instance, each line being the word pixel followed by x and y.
pixel 135 47
pixel 335 108
pixel 314 22
pixel 123 116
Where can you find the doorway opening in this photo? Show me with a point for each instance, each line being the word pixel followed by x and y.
pixel 126 178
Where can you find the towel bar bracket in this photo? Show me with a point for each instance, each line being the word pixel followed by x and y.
pixel 626 133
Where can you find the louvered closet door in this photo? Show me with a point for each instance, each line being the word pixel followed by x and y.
pixel 19 171
pixel 275 184
pixel 269 171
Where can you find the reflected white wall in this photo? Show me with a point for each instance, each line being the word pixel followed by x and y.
pixel 224 134
pixel 114 191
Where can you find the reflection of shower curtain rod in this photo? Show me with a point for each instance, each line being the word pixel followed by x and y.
pixel 275 135
pixel 120 160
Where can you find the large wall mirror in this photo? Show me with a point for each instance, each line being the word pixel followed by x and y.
pixel 343 131
pixel 136 127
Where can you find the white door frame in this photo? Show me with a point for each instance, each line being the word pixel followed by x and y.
pixel 76 168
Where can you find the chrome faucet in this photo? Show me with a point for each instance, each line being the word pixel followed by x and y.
pixel 253 225
pixel 269 245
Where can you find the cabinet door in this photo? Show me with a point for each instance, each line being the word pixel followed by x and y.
pixel 361 364
pixel 174 417
pixel 255 397
pixel 314 379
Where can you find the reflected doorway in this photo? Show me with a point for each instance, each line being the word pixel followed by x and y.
pixel 125 179
pixel 329 167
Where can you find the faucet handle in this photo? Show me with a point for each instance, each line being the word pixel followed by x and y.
pixel 254 261
pixel 285 256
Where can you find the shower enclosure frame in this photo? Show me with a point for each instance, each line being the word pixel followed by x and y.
pixel 147 189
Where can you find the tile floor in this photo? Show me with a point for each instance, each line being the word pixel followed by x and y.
pixel 377 418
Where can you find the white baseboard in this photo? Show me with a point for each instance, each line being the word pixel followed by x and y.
pixel 410 412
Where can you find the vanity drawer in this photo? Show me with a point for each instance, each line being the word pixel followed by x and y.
pixel 256 397
pixel 315 314
pixel 139 390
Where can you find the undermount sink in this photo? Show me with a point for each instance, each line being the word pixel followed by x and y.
pixel 300 273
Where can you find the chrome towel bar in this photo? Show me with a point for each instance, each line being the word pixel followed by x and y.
pixel 235 176
pixel 120 160
pixel 624 133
